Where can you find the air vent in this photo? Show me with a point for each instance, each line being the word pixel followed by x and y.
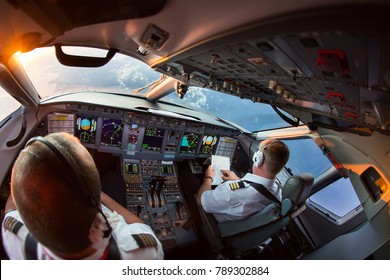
pixel 374 183
pixel 265 46
pixel 328 73
pixel 142 108
pixel 309 42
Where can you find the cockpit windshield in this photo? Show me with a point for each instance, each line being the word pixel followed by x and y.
pixel 124 74
pixel 247 114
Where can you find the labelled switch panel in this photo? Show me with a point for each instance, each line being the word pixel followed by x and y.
pixel 154 196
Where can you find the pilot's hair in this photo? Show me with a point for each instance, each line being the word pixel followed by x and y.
pixel 276 155
pixel 47 195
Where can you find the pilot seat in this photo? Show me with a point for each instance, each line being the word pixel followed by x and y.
pixel 235 239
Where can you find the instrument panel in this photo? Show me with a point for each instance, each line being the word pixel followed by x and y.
pixel 141 135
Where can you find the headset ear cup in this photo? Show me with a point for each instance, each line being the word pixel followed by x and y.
pixel 258 158
pixel 261 159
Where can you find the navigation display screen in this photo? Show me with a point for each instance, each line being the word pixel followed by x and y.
pixel 86 128
pixel 112 130
pixel 189 143
pixel 153 138
pixel 208 144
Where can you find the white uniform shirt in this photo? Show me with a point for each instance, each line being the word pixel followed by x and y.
pixel 122 232
pixel 227 204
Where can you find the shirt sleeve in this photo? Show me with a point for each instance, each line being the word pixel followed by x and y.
pixel 127 237
pixel 219 200
pixel 14 242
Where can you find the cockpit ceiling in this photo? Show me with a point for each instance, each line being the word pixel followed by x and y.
pixel 62 15
pixel 340 73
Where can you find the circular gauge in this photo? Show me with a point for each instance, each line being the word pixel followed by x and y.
pixel 84 137
pixel 85 124
pixel 206 150
pixel 209 140
pixel 133 138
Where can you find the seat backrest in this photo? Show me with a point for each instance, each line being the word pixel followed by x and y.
pixel 295 192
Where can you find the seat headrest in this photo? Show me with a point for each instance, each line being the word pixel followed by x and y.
pixel 297 188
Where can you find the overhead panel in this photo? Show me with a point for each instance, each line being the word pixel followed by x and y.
pixel 344 73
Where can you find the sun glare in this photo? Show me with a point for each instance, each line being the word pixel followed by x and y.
pixel 26 58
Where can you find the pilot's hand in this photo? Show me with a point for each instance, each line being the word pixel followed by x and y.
pixel 209 172
pixel 229 175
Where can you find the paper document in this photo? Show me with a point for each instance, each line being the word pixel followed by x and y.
pixel 218 163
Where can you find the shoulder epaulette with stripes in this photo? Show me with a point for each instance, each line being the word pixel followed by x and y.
pixel 236 185
pixel 145 240
pixel 12 224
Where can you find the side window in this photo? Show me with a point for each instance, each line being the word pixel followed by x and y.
pixel 338 201
pixel 8 104
pixel 305 156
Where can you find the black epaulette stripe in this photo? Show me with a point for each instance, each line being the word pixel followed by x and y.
pixel 145 240
pixel 12 224
pixel 236 185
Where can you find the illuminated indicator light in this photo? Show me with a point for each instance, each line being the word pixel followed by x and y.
pixel 340 96
pixel 61 118
pixel 349 114
pixel 333 60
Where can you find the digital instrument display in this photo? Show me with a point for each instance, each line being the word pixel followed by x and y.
pixel 153 138
pixel 112 130
pixel 132 137
pixel 172 141
pixel 86 128
pixel 60 122
pixel 131 168
pixel 167 170
pixel 226 146
pixel 208 144
pixel 189 143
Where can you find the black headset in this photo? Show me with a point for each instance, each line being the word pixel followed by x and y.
pixel 72 165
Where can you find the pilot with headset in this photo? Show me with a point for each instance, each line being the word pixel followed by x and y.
pixel 56 209
pixel 236 198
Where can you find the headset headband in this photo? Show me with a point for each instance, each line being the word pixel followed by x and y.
pixel 270 143
pixel 72 165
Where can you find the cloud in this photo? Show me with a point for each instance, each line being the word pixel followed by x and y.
pixel 197 99
pixel 129 74
pixel 133 74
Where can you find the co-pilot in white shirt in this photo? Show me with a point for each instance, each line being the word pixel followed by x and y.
pixel 227 204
